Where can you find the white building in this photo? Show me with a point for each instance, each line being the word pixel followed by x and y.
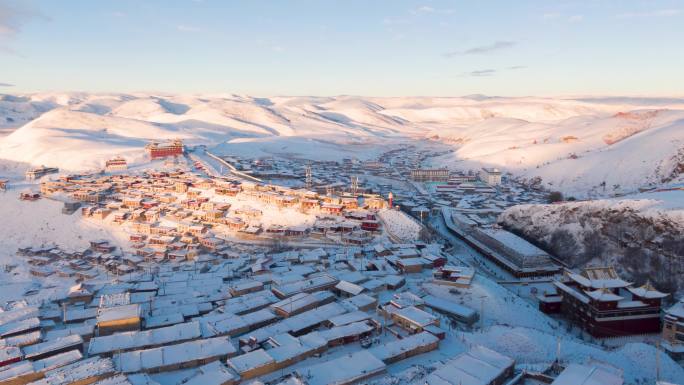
pixel 491 176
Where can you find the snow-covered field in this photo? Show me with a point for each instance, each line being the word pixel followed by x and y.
pixel 582 146
pixel 36 224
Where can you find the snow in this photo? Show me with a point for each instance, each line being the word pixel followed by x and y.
pixel 529 346
pixel 448 306
pixel 345 369
pixel 400 225
pixel 78 371
pixel 479 366
pixel 154 337
pixel 566 141
pixel 415 315
pixel 397 347
pixel 32 224
pixel 53 345
pixel 250 361
pixel 214 373
pixel 157 358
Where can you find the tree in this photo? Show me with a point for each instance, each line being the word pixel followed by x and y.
pixel 593 247
pixel 555 196
pixel 563 244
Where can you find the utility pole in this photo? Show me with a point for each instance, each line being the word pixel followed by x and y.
pixel 482 311
pixel 658 361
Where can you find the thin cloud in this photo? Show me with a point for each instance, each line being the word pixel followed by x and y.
pixel 271 46
pixel 394 21
pixel 480 73
pixel 6 85
pixel 576 18
pixel 426 9
pixel 490 71
pixel 654 13
pixel 551 16
pixel 12 20
pixel 187 28
pixel 483 49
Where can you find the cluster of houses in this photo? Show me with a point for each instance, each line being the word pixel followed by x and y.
pixel 179 215
pixel 245 316
pixel 238 318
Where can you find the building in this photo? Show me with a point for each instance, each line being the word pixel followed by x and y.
pixel 583 374
pixel 116 164
pixel 430 175
pixel 673 330
pixel 491 176
pixel 3 184
pixel 351 368
pixel 38 172
pixel 606 306
pixel 159 151
pixel 454 310
pixel 411 318
pixel 450 275
pixel 513 253
pixel 479 366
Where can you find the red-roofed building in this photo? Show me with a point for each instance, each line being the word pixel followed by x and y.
pixel 605 305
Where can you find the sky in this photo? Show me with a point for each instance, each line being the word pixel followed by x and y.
pixel 344 47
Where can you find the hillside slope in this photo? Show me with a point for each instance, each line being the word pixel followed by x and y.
pixel 641 235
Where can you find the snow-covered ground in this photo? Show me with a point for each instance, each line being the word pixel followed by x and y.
pixel 400 225
pixel 36 224
pixel 582 146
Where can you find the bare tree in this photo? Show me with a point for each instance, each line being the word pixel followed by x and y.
pixel 563 244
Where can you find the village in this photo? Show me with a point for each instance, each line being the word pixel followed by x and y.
pixel 228 270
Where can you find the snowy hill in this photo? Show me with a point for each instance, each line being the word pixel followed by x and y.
pixel 582 146
pixel 642 235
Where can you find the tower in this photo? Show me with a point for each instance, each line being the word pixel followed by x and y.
pixel 354 184
pixel 308 176
pixel 391 199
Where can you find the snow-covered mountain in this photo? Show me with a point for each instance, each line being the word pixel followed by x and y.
pixel 582 146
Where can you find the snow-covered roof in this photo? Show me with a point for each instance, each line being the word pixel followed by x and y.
pixel 514 242
pixel 416 316
pixel 647 291
pixel 479 366
pixel 449 306
pixel 346 369
pixel 603 295
pixel 146 338
pixel 398 347
pixel 348 318
pixel 576 374
pixel 150 359
pixel 250 361
pixel 676 310
pixel 118 312
pixel 349 287
pixel 79 371
pixel 53 345
pixel 214 373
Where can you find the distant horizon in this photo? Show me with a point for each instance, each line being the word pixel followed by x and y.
pixel 464 96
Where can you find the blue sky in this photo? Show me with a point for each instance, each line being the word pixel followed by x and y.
pixel 369 47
